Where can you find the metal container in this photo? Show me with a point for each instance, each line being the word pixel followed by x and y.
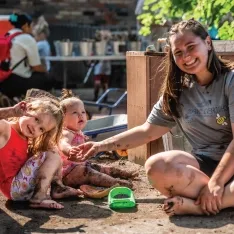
pixel 100 47
pixel 134 45
pixel 86 48
pixel 119 47
pixel 63 48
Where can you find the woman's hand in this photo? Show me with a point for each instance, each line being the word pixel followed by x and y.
pixel 21 109
pixel 84 151
pixel 210 198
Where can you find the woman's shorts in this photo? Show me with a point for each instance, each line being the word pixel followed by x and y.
pixel 207 165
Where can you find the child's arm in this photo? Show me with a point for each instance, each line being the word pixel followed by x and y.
pixel 20 109
pixel 65 143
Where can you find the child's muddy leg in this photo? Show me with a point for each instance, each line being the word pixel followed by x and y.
pixel 43 181
pixel 114 171
pixel 84 174
pixel 59 190
pixel 46 174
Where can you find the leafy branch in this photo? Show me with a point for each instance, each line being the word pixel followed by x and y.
pixel 212 13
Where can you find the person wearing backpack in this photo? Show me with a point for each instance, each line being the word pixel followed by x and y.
pixel 24 68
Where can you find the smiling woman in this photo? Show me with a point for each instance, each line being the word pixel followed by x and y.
pixel 197 95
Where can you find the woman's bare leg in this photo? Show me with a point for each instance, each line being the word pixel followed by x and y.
pixel 84 174
pixel 181 181
pixel 176 173
pixel 181 205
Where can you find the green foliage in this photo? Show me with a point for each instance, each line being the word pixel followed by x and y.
pixel 218 13
pixel 226 31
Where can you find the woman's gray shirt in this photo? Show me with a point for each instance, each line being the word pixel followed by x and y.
pixel 206 116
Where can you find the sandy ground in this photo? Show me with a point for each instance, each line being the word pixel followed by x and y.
pixel 82 215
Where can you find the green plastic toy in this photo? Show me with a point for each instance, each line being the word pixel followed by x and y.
pixel 121 197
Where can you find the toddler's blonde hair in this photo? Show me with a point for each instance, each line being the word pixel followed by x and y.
pixel 50 139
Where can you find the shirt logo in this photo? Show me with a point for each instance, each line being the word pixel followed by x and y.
pixel 221 120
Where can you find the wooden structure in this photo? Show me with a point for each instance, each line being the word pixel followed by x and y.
pixel 144 79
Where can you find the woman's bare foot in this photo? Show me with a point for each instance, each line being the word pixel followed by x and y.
pixel 62 191
pixel 180 206
pixel 47 204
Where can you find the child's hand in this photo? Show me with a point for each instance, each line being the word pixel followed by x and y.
pixel 86 150
pixel 21 109
pixel 72 153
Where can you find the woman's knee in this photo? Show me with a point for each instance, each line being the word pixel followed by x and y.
pixel 165 163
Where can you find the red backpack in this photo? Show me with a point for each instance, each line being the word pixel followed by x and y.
pixel 5 56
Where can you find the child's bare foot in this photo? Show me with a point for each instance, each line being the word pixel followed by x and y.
pixel 47 204
pixel 62 191
pixel 180 205
pixel 96 192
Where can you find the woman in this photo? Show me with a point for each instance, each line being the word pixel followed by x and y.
pixel 29 73
pixel 198 95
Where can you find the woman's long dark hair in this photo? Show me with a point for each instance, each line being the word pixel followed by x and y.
pixel 175 79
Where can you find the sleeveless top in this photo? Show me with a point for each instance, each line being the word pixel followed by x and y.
pixel 12 157
pixel 78 138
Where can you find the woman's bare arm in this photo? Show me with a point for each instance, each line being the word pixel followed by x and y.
pixel 134 137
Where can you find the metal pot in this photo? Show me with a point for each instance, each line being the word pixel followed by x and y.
pixel 119 47
pixel 86 48
pixel 63 48
pixel 134 45
pixel 100 47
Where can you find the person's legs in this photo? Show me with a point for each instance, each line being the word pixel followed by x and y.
pixel 82 173
pixel 40 80
pixel 182 205
pixel 114 171
pixel 105 85
pixel 48 172
pixel 14 86
pixel 176 175
pixel 97 85
pixel 24 183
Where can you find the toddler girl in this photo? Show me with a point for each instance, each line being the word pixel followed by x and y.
pixel 75 174
pixel 36 129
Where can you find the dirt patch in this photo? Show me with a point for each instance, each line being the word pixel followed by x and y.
pixel 94 216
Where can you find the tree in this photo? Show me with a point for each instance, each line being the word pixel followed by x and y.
pixel 212 13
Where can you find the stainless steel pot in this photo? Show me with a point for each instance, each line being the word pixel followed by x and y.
pixel 63 48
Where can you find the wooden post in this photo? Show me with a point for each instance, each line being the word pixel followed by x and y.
pixel 144 79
